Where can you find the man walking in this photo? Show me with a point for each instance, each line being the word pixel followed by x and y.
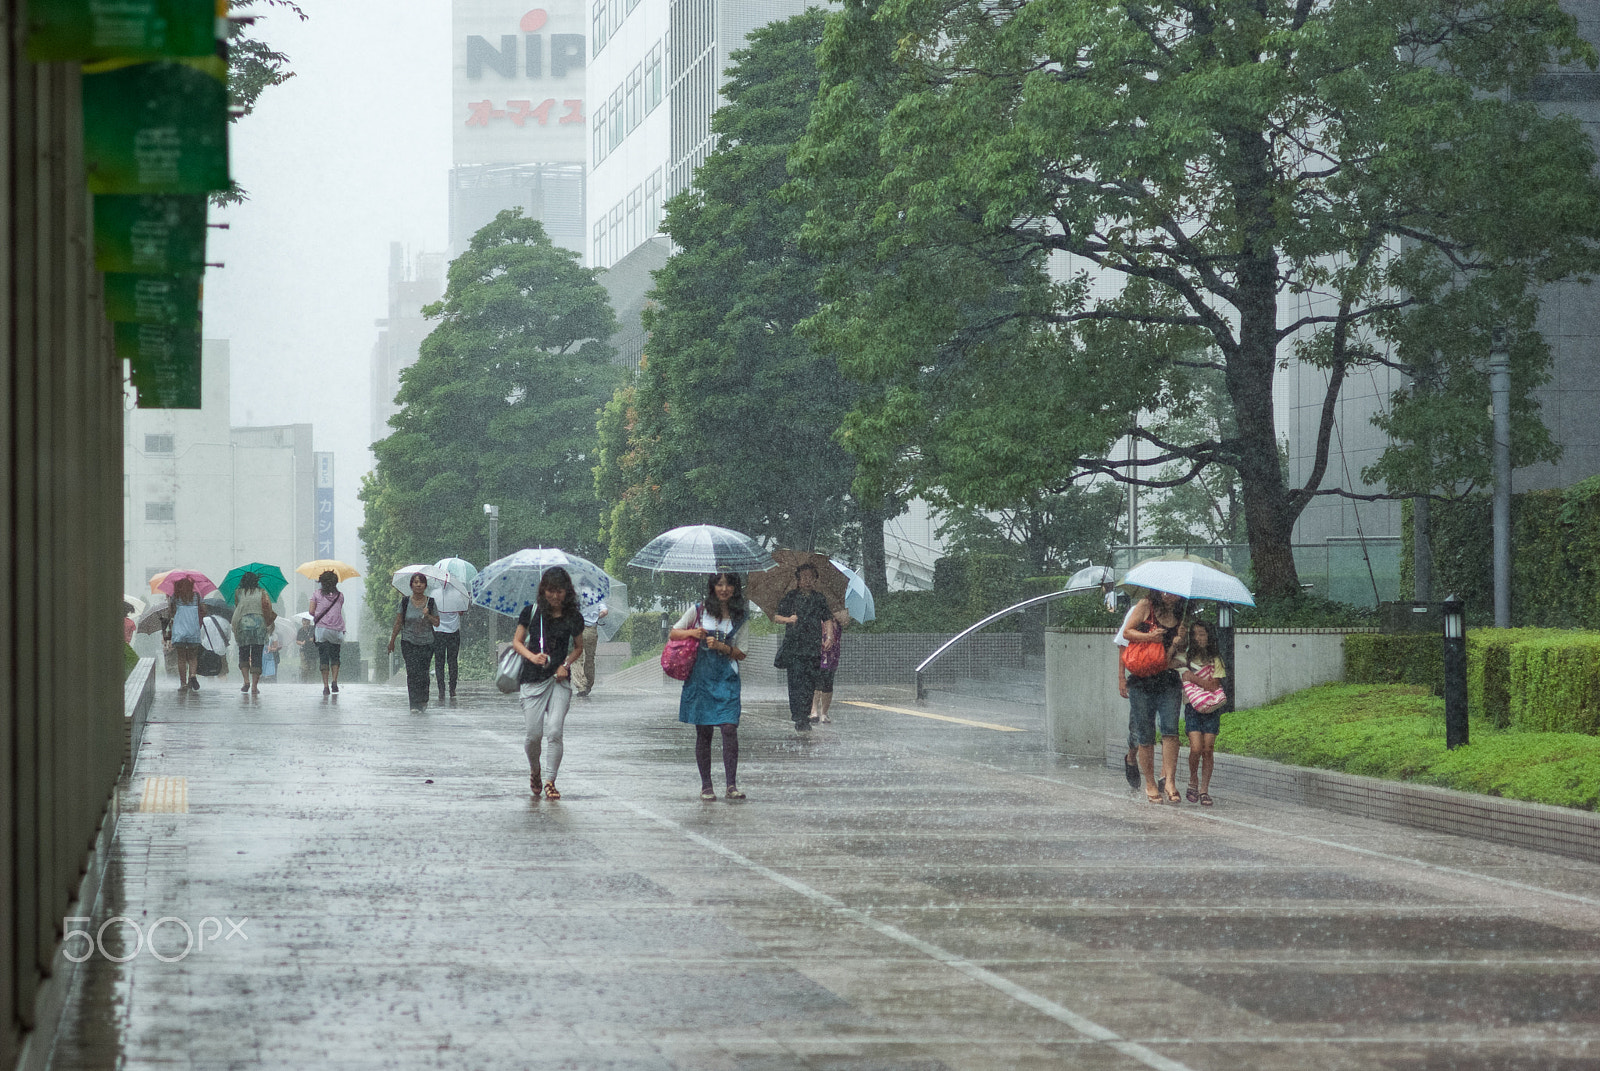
pixel 447 648
pixel 583 672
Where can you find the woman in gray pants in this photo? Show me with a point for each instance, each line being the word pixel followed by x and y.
pixel 549 638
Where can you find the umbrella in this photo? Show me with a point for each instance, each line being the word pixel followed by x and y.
pixel 215 634
pixel 152 620
pixel 857 597
pixel 155 582
pixel 439 582
pixel 702 548
pixel 616 610
pixel 272 580
pixel 313 570
pixel 137 603
pixel 1189 576
pixel 202 583
pixel 767 587
pixel 511 583
pixel 456 599
pixel 1089 579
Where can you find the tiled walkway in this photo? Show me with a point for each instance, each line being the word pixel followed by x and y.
pixel 898 893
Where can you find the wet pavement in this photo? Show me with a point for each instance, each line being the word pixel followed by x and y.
pixel 898 893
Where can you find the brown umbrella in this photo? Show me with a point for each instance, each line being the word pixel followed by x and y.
pixel 765 589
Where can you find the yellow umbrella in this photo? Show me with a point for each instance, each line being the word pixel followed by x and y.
pixel 312 570
pixel 155 581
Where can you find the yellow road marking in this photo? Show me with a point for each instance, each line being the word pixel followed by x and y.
pixel 168 795
pixel 937 717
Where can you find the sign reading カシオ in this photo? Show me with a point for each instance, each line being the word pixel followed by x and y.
pixel 518 83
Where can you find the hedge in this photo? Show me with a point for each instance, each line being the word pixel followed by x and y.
pixel 1405 658
pixel 1555 684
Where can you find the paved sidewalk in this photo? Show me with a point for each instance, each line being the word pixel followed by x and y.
pixel 898 893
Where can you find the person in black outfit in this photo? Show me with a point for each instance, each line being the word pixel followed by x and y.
pixel 549 638
pixel 803 609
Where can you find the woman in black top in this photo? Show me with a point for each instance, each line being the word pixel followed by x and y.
pixel 803 609
pixel 549 638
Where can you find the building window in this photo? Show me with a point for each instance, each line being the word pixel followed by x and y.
pixel 635 98
pixel 616 118
pixel 601 27
pixel 614 238
pixel 654 83
pixel 631 5
pixel 160 511
pixel 652 202
pixel 159 444
pixel 601 134
pixel 635 217
pixel 600 244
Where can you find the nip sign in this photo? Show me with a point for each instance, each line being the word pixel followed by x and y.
pixel 518 80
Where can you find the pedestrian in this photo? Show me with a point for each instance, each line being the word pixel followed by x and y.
pixel 711 693
pixel 129 625
pixel 828 664
pixel 252 628
pixel 414 622
pixel 447 648
pixel 1202 675
pixel 583 672
pixel 180 633
pixel 270 656
pixel 305 643
pixel 549 638
pixel 1154 699
pixel 327 624
pixel 803 609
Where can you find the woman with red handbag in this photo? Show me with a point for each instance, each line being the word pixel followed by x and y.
pixel 711 691
pixel 1146 677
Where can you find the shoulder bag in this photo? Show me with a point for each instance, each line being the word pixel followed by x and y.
pixel 508 671
pixel 1145 659
pixel 678 656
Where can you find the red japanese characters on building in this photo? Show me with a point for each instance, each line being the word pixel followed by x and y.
pixel 521 112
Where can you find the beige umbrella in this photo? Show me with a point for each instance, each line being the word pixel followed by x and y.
pixel 767 588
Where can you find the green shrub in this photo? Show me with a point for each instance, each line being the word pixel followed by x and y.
pixel 640 631
pixel 1397 732
pixel 1405 658
pixel 1489 669
pixel 130 658
pixel 1555 684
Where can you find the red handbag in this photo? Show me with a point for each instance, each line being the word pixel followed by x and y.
pixel 1144 659
pixel 678 656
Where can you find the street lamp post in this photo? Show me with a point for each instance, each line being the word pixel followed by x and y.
pixel 1225 649
pixel 493 513
pixel 1500 397
pixel 1455 673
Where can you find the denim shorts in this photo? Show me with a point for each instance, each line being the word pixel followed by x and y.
pixel 1196 722
pixel 1153 704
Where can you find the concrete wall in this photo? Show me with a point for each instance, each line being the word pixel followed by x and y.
pixel 1084 715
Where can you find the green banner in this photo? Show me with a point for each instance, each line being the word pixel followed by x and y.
pixel 128 29
pixel 156 127
pixel 152 299
pixel 164 362
pixel 157 235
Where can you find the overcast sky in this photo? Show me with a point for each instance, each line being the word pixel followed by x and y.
pixel 349 155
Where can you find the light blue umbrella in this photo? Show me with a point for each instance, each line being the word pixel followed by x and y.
pixel 464 573
pixel 857 597
pixel 511 583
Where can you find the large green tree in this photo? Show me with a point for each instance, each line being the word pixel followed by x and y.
pixel 499 408
pixel 1310 179
pixel 733 417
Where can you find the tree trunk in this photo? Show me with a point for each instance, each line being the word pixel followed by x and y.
pixel 874 559
pixel 1421 550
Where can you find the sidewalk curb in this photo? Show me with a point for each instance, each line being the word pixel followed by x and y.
pixel 1560 830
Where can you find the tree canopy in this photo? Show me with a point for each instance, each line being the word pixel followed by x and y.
pixel 733 416
pixel 499 408
pixel 1352 183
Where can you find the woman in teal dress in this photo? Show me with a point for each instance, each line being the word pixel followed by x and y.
pixel 711 694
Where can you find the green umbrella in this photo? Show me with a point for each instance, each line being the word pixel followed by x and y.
pixel 272 580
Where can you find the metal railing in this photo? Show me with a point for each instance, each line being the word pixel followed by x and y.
pixel 969 630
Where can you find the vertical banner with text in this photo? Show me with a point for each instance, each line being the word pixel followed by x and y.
pixel 322 533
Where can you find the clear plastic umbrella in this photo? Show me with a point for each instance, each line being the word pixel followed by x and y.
pixel 616 610
pixel 451 599
pixel 440 582
pixel 703 548
pixel 511 583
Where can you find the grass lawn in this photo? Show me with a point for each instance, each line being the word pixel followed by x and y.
pixel 1396 731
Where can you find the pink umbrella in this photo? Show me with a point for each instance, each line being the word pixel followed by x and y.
pixel 202 583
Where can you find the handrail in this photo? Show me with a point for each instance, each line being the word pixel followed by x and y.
pixel 926 662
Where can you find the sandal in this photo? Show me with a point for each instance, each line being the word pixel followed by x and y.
pixel 1192 795
pixel 733 793
pixel 708 795
pixel 1153 797
pixel 533 783
pixel 1205 799
pixel 826 720
pixel 550 792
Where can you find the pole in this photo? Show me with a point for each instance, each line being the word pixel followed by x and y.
pixel 1500 395
pixel 493 513
pixel 1455 673
pixel 1225 649
pixel 1133 491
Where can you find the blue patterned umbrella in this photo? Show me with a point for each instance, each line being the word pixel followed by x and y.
pixel 511 583
pixel 703 548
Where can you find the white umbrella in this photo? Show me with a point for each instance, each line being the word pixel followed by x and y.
pixel 439 582
pixel 137 603
pixel 1089 579
pixel 703 548
pixel 511 583
pixel 1189 579
pixel 857 597
pixel 456 598
pixel 215 634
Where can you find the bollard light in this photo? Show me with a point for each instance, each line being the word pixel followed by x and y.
pixel 1455 673
pixel 1225 648
pixel 1225 615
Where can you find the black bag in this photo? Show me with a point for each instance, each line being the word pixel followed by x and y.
pixel 210 663
pixel 781 659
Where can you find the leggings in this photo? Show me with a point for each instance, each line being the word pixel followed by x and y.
pixel 544 705
pixel 730 753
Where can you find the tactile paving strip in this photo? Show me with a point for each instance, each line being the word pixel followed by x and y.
pixel 169 795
